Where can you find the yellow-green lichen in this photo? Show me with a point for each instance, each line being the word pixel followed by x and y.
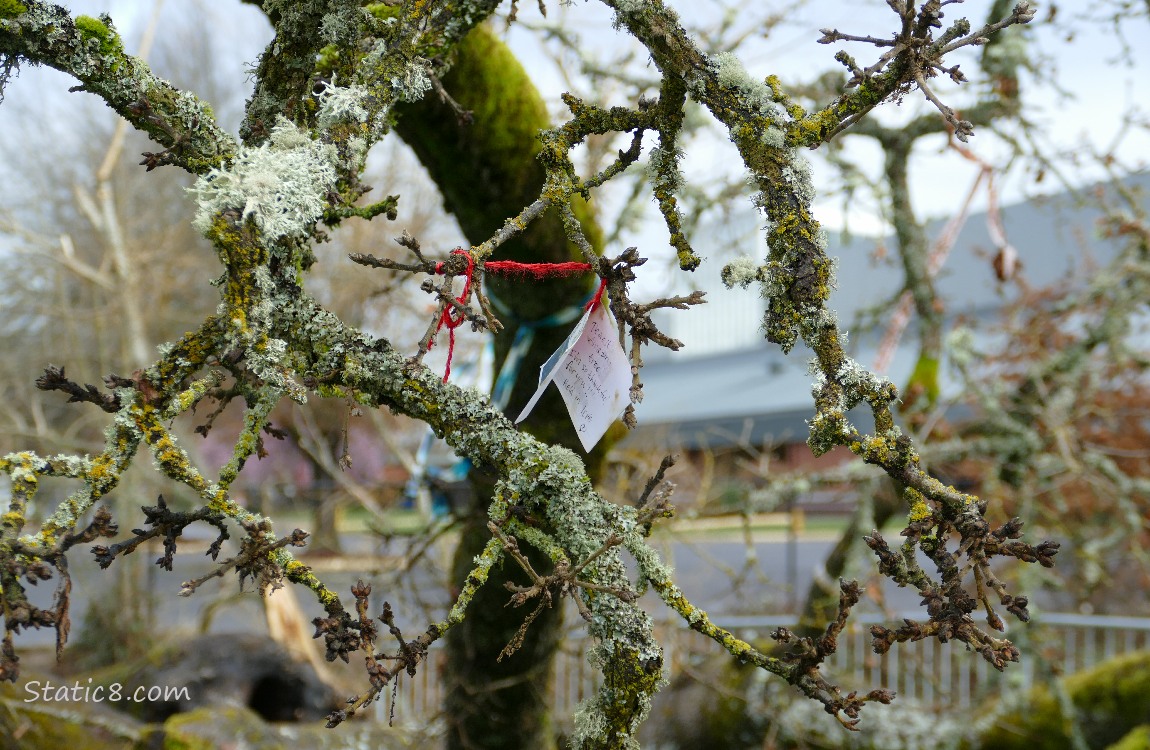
pixel 188 398
pixel 331 391
pixel 297 572
pixel 169 456
pixel 102 467
pixel 490 556
pixel 919 510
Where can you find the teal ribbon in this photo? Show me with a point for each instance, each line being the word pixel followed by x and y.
pixel 501 392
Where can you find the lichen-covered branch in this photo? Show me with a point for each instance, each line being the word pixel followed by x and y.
pixel 90 50
pixel 330 85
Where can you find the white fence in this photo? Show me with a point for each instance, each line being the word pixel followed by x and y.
pixel 947 673
pixel 927 671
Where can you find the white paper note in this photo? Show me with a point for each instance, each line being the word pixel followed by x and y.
pixel 593 374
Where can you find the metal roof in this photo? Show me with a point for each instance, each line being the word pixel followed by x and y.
pixel 757 394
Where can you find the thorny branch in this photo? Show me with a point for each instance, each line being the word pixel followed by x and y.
pixel 254 560
pixel 652 504
pixel 169 524
pixel 409 655
pixel 809 653
pixel 915 49
pixel 53 379
pixel 564 581
pixel 37 566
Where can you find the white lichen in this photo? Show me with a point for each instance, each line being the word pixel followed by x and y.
pixel 281 185
pixel 414 82
pixel 590 723
pixel 663 168
pixel 268 360
pixel 773 279
pixel 341 104
pixel 357 149
pixel 773 137
pixel 730 73
pixel 343 23
pixel 740 272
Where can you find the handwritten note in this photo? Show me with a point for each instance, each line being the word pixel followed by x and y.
pixel 593 375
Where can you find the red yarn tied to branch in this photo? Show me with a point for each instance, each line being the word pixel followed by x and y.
pixel 451 318
pixel 597 298
pixel 536 271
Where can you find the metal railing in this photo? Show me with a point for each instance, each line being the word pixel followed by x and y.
pixel 932 672
pixel 928 671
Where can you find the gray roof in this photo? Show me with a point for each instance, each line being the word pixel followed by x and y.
pixel 755 396
pixel 1055 237
pixel 758 395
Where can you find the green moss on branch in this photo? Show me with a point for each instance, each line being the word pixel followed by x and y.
pixel 47 35
pixel 11 8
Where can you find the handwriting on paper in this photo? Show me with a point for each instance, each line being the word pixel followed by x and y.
pixel 593 375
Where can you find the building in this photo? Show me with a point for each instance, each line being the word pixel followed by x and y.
pixel 731 400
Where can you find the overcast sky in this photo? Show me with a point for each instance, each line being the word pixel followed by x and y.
pixel 1099 86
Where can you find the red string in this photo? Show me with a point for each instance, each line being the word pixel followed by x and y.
pixel 597 298
pixel 449 316
pixel 537 271
pixel 534 270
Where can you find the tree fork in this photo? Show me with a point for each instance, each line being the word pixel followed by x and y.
pixel 507 703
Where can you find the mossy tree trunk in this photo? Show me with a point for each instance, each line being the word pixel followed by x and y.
pixel 502 704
